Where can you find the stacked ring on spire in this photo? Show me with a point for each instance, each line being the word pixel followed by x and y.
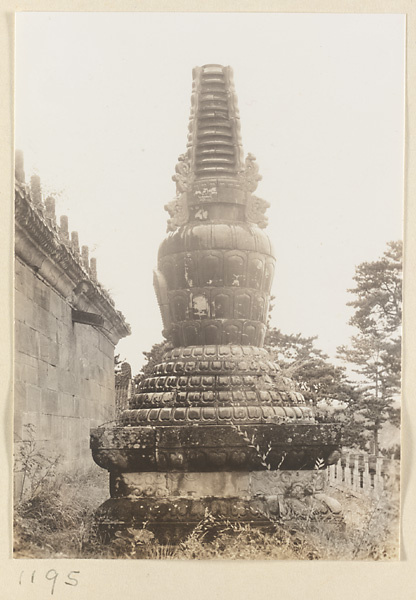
pixel 214 127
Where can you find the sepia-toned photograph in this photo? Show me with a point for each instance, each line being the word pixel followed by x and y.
pixel 208 285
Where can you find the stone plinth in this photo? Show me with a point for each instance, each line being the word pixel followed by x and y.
pixel 200 446
pixel 172 504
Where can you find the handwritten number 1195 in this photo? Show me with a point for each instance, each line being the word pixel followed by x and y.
pixel 52 576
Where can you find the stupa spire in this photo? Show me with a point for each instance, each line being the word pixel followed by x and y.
pixel 214 140
pixel 213 180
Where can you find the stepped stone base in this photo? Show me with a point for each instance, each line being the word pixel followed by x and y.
pixel 172 504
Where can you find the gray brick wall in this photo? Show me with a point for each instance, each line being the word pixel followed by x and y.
pixel 64 372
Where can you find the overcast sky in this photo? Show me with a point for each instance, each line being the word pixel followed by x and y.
pixel 102 108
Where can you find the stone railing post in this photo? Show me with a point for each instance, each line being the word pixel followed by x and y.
pixel 331 474
pixel 378 479
pixel 367 480
pixel 356 474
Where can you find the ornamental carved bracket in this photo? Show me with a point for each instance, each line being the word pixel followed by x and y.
pixel 255 211
pixel 178 212
pixel 182 176
pixel 250 175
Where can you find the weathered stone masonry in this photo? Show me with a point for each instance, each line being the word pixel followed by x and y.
pixel 64 368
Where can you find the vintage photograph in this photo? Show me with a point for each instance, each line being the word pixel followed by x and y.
pixel 208 285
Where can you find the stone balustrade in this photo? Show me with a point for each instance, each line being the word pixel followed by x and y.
pixel 365 474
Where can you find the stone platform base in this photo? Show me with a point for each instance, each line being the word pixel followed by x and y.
pixel 173 504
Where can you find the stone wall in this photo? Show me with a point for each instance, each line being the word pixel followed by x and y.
pixel 64 371
pixel 64 368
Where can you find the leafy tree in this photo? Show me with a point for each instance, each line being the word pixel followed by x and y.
pixel 375 352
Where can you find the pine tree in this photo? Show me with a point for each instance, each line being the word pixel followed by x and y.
pixel 375 352
pixel 153 357
pixel 318 379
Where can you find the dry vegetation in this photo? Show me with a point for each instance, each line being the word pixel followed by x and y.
pixel 54 517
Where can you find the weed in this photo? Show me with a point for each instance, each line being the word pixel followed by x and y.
pixel 54 517
pixel 36 467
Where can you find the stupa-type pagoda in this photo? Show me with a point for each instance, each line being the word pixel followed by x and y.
pixel 216 427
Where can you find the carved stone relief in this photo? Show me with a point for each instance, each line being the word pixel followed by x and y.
pixel 182 176
pixel 250 175
pixel 255 211
pixel 178 212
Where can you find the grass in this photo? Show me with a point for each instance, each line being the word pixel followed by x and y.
pixel 58 521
